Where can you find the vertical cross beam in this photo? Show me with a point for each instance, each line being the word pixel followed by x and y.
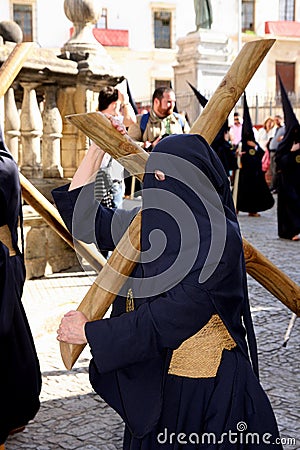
pixel 100 130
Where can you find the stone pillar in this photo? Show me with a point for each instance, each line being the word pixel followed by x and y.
pixel 12 124
pixel 80 103
pixel 65 102
pixel 31 132
pixel 52 133
pixel 203 59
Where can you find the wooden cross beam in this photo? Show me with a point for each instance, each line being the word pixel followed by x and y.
pixel 99 129
pixel 51 216
pixel 8 72
pixel 12 66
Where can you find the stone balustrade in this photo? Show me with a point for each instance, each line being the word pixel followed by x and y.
pixel 47 148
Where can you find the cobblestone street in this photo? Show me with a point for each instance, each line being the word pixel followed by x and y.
pixel 73 417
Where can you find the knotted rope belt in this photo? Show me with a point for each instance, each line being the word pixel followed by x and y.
pixel 200 355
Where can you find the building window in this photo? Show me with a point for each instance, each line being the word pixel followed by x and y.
pixel 286 71
pixel 102 21
pixel 162 29
pixel 22 14
pixel 286 9
pixel 162 83
pixel 247 15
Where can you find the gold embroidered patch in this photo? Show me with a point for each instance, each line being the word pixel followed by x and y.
pixel 200 355
pixel 252 152
pixel 5 238
pixel 297 159
pixel 129 301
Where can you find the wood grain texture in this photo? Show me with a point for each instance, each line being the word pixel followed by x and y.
pixel 108 283
pixel 100 130
pixel 96 300
pixel 52 217
pixel 231 88
pixel 12 66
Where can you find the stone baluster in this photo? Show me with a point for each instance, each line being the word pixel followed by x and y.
pixel 12 124
pixel 52 134
pixel 80 103
pixel 65 103
pixel 31 132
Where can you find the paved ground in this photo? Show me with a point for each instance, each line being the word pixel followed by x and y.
pixel 73 417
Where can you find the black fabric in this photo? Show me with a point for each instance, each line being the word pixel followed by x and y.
pixel 288 173
pixel 191 267
pixel 253 192
pixel 131 100
pixel 221 146
pixel 20 377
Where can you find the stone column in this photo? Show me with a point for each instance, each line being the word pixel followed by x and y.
pixel 12 124
pixel 203 59
pixel 65 102
pixel 52 134
pixel 31 132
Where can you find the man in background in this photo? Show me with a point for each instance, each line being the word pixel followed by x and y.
pixel 161 121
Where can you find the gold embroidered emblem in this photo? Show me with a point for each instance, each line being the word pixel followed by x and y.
pixel 200 355
pixel 129 301
pixel 297 159
pixel 252 152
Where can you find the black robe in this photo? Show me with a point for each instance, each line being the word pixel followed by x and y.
pixel 225 152
pixel 288 198
pixel 253 192
pixel 191 269
pixel 20 377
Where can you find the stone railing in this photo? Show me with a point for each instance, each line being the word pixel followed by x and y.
pixel 47 148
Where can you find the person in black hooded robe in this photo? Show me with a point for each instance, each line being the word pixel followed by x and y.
pixel 288 172
pixel 221 143
pixel 253 192
pixel 172 359
pixel 20 377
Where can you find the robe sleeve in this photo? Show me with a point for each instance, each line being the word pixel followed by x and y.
pixel 89 221
pixel 164 323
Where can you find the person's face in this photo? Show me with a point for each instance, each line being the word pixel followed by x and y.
pixel 237 121
pixel 269 124
pixel 277 121
pixel 165 106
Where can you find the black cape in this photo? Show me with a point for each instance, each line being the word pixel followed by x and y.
pixel 288 198
pixel 192 266
pixel 20 377
pixel 253 192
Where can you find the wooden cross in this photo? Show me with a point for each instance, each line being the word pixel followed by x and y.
pixel 98 128
pixel 8 72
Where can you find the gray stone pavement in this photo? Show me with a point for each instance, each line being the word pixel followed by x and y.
pixel 73 417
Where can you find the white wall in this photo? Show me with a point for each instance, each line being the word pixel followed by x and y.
pixel 53 25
